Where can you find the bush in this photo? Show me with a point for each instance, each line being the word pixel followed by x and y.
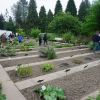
pixel 24 48
pixel 58 46
pixel 35 32
pixel 21 32
pixel 7 52
pixel 29 44
pixel 90 45
pixel 47 52
pixel 67 45
pixel 46 67
pixel 49 92
pixel 24 70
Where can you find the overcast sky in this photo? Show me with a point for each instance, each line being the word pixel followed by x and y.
pixel 49 4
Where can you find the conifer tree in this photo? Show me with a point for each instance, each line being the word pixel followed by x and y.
pixel 1 21
pixel 82 11
pixel 58 7
pixel 42 19
pixel 32 18
pixel 71 7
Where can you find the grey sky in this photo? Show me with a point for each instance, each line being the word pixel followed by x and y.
pixel 49 4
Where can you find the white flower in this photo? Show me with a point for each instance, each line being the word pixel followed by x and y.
pixel 43 87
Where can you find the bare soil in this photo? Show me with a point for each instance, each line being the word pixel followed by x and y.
pixel 37 71
pixel 8 63
pixel 75 85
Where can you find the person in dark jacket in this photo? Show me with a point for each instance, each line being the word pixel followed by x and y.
pixel 95 39
pixel 45 38
pixel 40 39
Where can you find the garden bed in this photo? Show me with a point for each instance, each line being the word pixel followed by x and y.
pixel 37 71
pixel 75 85
pixel 8 63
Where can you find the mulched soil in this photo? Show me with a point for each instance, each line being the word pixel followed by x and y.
pixel 75 85
pixel 37 71
pixel 8 63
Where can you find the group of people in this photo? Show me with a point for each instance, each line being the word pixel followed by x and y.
pixel 96 41
pixel 3 39
pixel 44 38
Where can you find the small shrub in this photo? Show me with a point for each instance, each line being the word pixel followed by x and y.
pixel 7 52
pixel 29 44
pixel 50 92
pixel 67 45
pixel 24 70
pixel 46 67
pixel 24 48
pixel 47 52
pixel 90 45
pixel 58 46
pixel 77 61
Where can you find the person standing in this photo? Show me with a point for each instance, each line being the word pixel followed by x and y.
pixel 11 38
pixel 3 40
pixel 20 38
pixel 95 39
pixel 40 39
pixel 45 38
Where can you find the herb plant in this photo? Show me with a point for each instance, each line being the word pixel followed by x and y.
pixel 24 70
pixel 58 46
pixel 46 67
pixel 77 61
pixel 50 92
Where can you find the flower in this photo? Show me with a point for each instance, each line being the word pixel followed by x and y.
pixel 43 87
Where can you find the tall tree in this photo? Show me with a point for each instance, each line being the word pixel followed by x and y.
pixel 6 16
pixel 71 7
pixel 32 18
pixel 87 3
pixel 58 7
pixel 20 10
pixel 1 21
pixel 49 18
pixel 82 11
pixel 42 19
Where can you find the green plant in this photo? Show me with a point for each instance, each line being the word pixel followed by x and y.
pixel 7 52
pixel 46 67
pixel 29 44
pixel 67 45
pixel 50 92
pixel 48 52
pixel 77 61
pixel 24 48
pixel 58 46
pixel 0 86
pixel 24 70
pixel 2 96
pixel 90 45
pixel 35 32
pixel 94 97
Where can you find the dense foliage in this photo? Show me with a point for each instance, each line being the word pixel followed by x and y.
pixel 64 22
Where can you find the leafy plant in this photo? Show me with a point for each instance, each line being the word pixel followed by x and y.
pixel 46 67
pixel 7 52
pixel 50 92
pixel 24 48
pixel 58 46
pixel 90 45
pixel 47 52
pixel 29 44
pixel 67 45
pixel 24 70
pixel 77 61
pixel 2 96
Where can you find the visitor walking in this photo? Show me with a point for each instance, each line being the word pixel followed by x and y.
pixel 95 39
pixel 3 40
pixel 20 38
pixel 40 39
pixel 45 38
pixel 11 38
